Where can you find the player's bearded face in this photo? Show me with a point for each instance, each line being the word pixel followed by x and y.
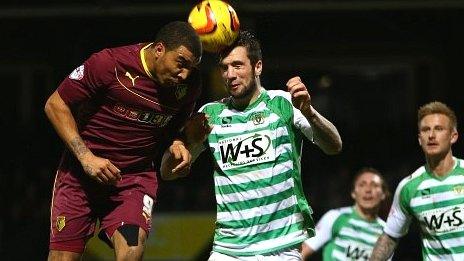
pixel 368 192
pixel 436 135
pixel 238 73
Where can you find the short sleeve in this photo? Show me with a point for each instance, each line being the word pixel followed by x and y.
pixel 399 219
pixel 299 120
pixel 87 79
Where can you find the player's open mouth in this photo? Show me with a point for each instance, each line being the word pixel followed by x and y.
pixel 233 86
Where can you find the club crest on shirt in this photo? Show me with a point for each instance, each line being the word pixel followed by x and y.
pixel 78 73
pixel 181 91
pixel 257 118
pixel 60 223
pixel 458 189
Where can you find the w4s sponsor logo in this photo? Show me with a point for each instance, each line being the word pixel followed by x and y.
pixel 357 253
pixel 444 221
pixel 246 149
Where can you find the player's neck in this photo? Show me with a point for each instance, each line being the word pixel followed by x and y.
pixel 367 214
pixel 441 165
pixel 149 57
pixel 242 103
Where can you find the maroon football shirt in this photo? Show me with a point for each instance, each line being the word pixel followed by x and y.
pixel 123 114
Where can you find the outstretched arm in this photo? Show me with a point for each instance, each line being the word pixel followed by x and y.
pixel 63 121
pixel 324 132
pixel 383 249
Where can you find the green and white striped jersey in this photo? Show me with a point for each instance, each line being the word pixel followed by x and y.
pixel 345 235
pixel 438 204
pixel 261 206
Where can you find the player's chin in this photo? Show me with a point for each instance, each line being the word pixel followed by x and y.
pixel 369 204
pixel 432 152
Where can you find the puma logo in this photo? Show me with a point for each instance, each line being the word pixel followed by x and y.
pixel 132 78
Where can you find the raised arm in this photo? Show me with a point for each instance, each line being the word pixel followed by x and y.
pixel 62 119
pixel 384 248
pixel 325 133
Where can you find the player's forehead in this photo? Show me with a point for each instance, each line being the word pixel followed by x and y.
pixel 368 177
pixel 237 54
pixel 184 54
pixel 435 119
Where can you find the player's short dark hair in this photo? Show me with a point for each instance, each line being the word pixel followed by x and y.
pixel 248 40
pixel 175 34
pixel 437 107
pixel 385 188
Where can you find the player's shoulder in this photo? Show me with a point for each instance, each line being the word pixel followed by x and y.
pixel 459 163
pixel 103 58
pixel 419 172
pixel 412 180
pixel 125 54
pixel 123 50
pixel 214 106
pixel 345 210
pixel 280 102
pixel 337 212
pixel 279 95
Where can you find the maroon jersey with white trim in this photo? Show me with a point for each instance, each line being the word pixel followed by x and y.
pixel 123 114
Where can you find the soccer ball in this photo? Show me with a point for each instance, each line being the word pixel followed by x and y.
pixel 216 22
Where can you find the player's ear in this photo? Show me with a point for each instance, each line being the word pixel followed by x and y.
pixel 353 196
pixel 159 49
pixel 258 67
pixel 454 136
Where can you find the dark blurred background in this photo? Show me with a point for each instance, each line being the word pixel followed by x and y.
pixel 369 65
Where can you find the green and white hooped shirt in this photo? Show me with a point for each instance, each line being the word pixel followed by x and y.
pixel 261 207
pixel 437 203
pixel 345 235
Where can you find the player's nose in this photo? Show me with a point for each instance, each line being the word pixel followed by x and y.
pixel 183 74
pixel 230 73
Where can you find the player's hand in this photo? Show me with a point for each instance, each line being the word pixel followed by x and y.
pixel 197 128
pixel 181 159
pixel 101 169
pixel 300 95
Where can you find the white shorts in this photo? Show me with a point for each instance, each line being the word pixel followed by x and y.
pixel 288 254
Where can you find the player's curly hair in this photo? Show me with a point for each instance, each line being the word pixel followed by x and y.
pixel 437 107
pixel 248 40
pixel 177 33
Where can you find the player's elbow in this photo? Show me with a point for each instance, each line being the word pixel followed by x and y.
pixel 48 108
pixel 53 104
pixel 334 148
pixel 337 148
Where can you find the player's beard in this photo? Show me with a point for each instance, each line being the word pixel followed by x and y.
pixel 247 91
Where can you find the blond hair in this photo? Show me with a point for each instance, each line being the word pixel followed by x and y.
pixel 437 107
